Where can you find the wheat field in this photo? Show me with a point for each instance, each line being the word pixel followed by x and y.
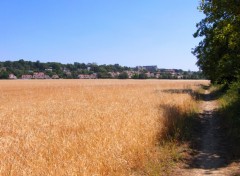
pixel 85 127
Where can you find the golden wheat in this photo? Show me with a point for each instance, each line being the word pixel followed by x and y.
pixel 84 127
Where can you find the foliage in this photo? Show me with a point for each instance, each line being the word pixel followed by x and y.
pixel 71 71
pixel 123 75
pixel 135 76
pixel 104 75
pixel 3 75
pixel 21 67
pixel 230 111
pixel 142 76
pixel 219 58
pixel 219 51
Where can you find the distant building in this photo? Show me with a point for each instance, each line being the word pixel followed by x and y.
pixel 47 77
pixel 55 77
pixel 114 74
pixel 38 75
pixel 152 68
pixel 130 74
pixel 180 77
pixel 83 76
pixel 150 75
pixel 12 76
pixel 49 69
pixel 27 76
pixel 65 70
pixel 171 72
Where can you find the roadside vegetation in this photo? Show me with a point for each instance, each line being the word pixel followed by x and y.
pixel 230 113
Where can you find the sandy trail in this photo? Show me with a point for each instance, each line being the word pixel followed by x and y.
pixel 211 155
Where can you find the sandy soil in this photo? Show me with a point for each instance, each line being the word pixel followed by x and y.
pixel 211 155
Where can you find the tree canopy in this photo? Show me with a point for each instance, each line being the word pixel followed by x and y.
pixel 73 71
pixel 218 52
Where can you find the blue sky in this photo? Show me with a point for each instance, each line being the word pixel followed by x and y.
pixel 128 32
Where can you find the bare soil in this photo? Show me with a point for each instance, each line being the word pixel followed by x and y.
pixel 209 156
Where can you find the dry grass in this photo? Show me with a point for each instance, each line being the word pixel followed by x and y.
pixel 85 127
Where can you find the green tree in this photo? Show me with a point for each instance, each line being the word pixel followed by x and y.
pixel 142 76
pixel 123 75
pixel 103 75
pixel 218 53
pixel 4 75
pixel 135 76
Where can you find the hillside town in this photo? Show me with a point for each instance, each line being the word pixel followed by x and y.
pixel 36 70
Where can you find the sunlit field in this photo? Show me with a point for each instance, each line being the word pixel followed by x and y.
pixel 86 127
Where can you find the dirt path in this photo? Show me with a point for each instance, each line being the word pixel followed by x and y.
pixel 211 156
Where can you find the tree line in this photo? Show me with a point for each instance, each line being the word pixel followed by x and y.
pixel 72 71
pixel 22 67
pixel 218 52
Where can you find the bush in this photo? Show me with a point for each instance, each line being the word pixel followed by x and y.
pixel 231 116
pixel 142 76
pixel 4 75
pixel 123 75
